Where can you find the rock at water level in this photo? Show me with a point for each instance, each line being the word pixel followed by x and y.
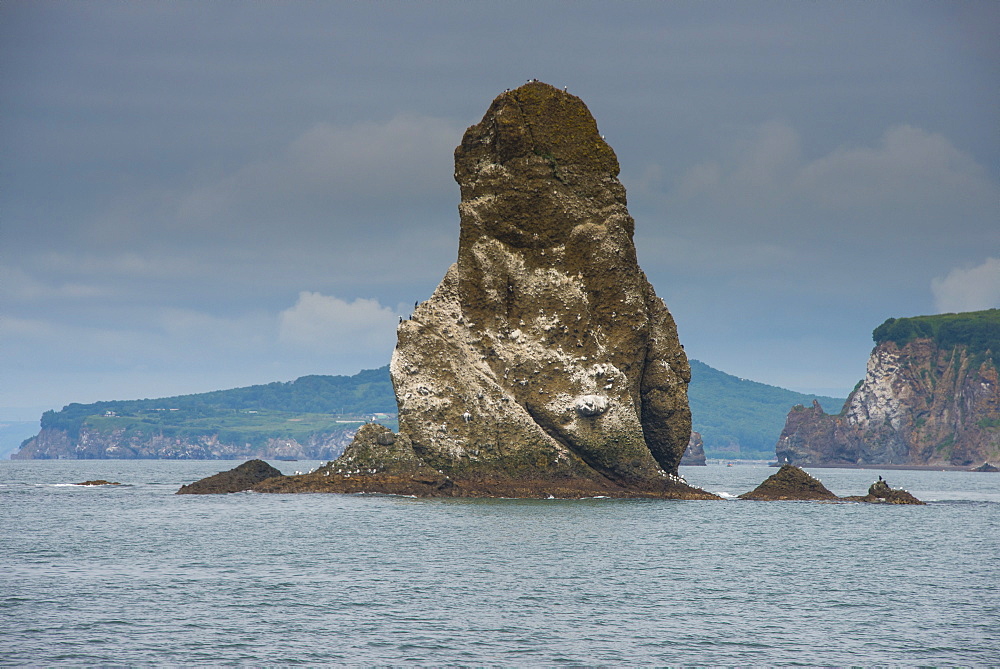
pixel 880 493
pixel 98 482
pixel 986 467
pixel 793 483
pixel 239 479
pixel 790 483
pixel 377 461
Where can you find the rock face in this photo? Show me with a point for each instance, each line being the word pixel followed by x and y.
pixel 544 353
pixel 543 364
pixel 790 483
pixel 695 453
pixel 239 479
pixel 926 400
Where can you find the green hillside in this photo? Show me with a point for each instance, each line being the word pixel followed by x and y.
pixel 736 417
pixel 729 411
pixel 979 331
pixel 262 410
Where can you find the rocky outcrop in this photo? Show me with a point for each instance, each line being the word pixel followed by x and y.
pixel 881 493
pixel 544 354
pixel 925 400
pixel 98 482
pixel 380 461
pixel 242 478
pixel 544 364
pixel 790 483
pixel 377 461
pixel 695 453
pixel 986 467
pixel 90 444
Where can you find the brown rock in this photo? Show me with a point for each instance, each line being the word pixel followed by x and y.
pixel 377 461
pixel 793 483
pixel 238 479
pixel 790 483
pixel 544 364
pixel 98 482
pixel 544 359
pixel 880 493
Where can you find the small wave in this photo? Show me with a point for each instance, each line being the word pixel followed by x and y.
pixel 726 495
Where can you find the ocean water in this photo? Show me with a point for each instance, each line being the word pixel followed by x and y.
pixel 135 575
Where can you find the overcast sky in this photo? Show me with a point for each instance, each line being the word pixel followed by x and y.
pixel 196 196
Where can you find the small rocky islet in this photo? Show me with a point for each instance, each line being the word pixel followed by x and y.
pixel 544 365
pixel 791 483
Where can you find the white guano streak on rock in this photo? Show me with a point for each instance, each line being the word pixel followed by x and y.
pixel 876 400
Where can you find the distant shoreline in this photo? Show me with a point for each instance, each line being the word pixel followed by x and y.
pixel 933 468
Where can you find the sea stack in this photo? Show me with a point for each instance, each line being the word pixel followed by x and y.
pixel 543 364
pixel 544 353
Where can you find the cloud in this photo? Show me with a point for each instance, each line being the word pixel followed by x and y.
pixel 968 289
pixel 17 285
pixel 324 323
pixel 331 168
pixel 908 168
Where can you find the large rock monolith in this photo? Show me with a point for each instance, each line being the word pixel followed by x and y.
pixel 544 364
pixel 544 354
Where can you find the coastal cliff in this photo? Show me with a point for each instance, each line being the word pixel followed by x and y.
pixel 120 443
pixel 931 396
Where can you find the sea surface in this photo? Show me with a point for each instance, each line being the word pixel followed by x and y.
pixel 135 575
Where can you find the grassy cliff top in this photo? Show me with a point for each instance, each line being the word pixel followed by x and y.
pixel 257 407
pixel 979 331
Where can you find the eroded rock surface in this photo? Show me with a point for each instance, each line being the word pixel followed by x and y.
pixel 241 478
pixel 377 461
pixel 544 354
pixel 790 483
pixel 544 363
